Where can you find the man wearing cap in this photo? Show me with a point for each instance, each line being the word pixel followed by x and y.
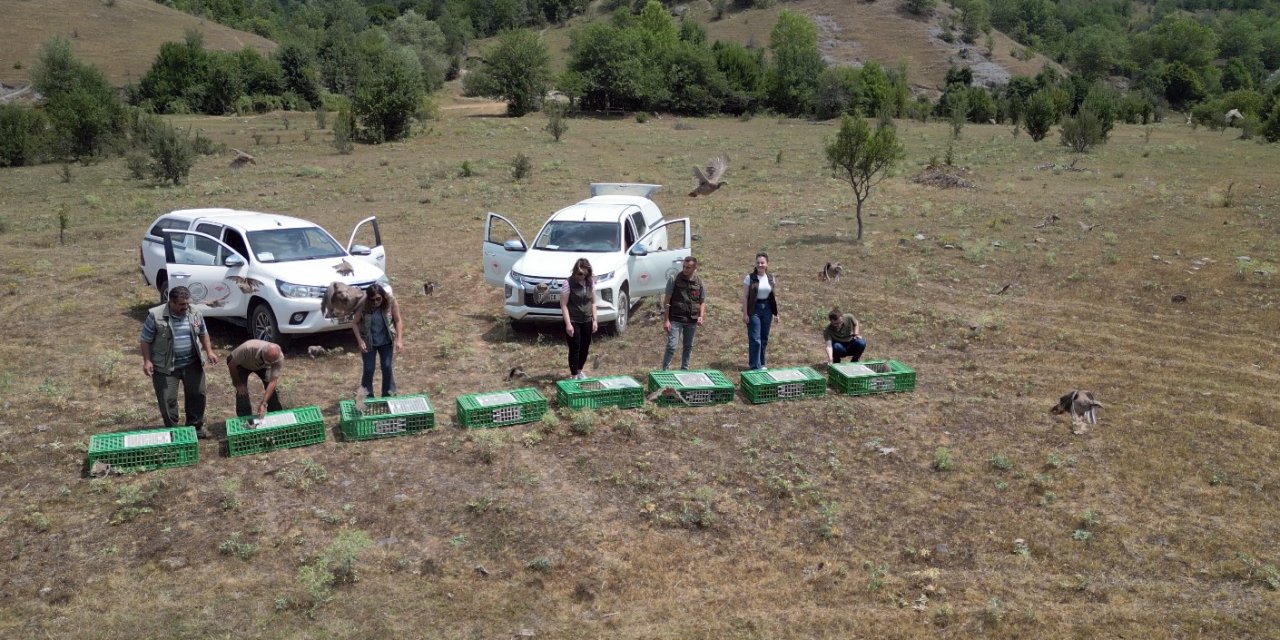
pixel 263 358
pixel 174 343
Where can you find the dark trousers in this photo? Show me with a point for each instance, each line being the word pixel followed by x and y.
pixel 243 406
pixel 191 377
pixel 385 353
pixel 579 345
pixel 853 349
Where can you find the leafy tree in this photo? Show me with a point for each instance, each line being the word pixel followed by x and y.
pixel 1104 103
pixel 81 105
pixel 744 71
pixel 344 131
pixel 1082 131
pixel 21 135
pixel 1040 114
pixel 840 91
pixel 517 70
pixel 610 61
pixel 180 72
pixel 1271 128
pixel 982 107
pixel 797 64
pixel 299 73
pixel 1178 38
pixel 223 84
pixel 427 41
pixel 388 93
pixel 956 105
pixel 863 158
pixel 172 154
pixel 261 76
pixel 1182 85
pixel 1236 75
pixel 1097 51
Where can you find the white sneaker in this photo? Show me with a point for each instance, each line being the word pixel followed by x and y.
pixel 582 375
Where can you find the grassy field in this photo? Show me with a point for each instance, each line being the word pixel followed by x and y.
pixel 987 516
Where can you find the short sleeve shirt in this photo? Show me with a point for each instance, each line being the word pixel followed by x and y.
pixel 251 356
pixel 845 331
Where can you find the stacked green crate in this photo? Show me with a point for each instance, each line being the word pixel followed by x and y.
pixel 387 417
pixel 278 430
pixel 501 408
pixel 623 392
pixel 145 450
pixel 872 376
pixel 690 388
pixel 782 384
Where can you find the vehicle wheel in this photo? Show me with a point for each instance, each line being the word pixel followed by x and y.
pixel 624 310
pixel 262 324
pixel 162 285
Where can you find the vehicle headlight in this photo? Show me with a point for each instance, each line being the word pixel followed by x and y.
pixel 517 278
pixel 602 278
pixel 384 280
pixel 290 290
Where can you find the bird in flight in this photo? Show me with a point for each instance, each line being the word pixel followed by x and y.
pixel 712 179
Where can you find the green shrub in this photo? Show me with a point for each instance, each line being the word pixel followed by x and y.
pixel 521 167
pixel 1083 131
pixel 556 124
pixel 21 135
pixel 1040 115
pixel 172 155
pixel 343 131
pixel 139 165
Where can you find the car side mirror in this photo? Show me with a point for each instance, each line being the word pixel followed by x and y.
pixel 233 261
pixel 513 245
pixel 360 250
pixel 639 250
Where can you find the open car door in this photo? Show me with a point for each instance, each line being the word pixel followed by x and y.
pixel 650 269
pixel 213 272
pixel 503 246
pixel 375 254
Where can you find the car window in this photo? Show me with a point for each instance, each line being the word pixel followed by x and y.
pixel 282 245
pixel 630 230
pixel 637 219
pixel 574 235
pixel 205 244
pixel 236 242
pixel 166 223
pixel 201 252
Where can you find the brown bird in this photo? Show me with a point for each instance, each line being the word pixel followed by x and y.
pixel 1082 406
pixel 1087 227
pixel 344 268
pixel 340 300
pixel 430 287
pixel 831 272
pixel 361 394
pixel 516 372
pixel 1003 290
pixel 712 180
pixel 242 159
pixel 666 392
pixel 247 285
pixel 316 351
pixel 541 292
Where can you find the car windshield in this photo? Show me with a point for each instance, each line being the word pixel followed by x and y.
pixel 575 235
pixel 283 245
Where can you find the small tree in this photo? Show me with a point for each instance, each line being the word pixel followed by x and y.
pixel 517 70
pixel 172 155
pixel 1271 128
pixel 344 129
pixel 556 124
pixel 1082 131
pixel 1040 114
pixel 957 106
pixel 863 158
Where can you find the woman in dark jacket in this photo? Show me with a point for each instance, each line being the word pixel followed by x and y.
pixel 378 330
pixel 578 308
pixel 759 310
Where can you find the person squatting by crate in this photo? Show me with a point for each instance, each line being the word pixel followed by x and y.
pixel 578 309
pixel 843 336
pixel 378 330
pixel 759 310
pixel 170 356
pixel 265 359
pixel 684 309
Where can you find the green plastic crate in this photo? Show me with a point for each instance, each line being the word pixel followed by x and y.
pixel 281 430
pixel 146 450
pixel 501 408
pixel 696 388
pixel 871 376
pixel 623 392
pixel 387 417
pixel 782 384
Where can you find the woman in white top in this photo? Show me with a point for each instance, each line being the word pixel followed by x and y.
pixel 759 310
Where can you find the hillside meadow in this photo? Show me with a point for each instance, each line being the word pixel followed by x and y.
pixel 963 509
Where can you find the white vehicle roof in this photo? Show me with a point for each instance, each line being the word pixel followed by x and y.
pixel 598 209
pixel 245 220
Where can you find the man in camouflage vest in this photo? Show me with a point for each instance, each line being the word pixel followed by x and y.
pixel 683 311
pixel 174 344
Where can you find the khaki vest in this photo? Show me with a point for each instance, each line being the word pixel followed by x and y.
pixel 686 298
pixel 162 346
pixel 580 299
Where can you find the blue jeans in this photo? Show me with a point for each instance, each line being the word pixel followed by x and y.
pixel 387 354
pixel 685 330
pixel 853 349
pixel 758 335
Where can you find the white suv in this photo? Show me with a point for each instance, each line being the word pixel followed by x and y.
pixel 632 250
pixel 264 271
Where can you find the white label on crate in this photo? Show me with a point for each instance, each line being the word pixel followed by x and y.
pixel 278 420
pixel 408 405
pixel 853 369
pixel 694 380
pixel 491 399
pixel 146 439
pixel 880 384
pixel 793 390
pixel 619 382
pixel 390 425
pixel 786 375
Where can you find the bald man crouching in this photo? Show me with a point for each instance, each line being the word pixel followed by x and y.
pixel 263 358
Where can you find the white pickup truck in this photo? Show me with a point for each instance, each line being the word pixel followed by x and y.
pixel 264 271
pixel 633 250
